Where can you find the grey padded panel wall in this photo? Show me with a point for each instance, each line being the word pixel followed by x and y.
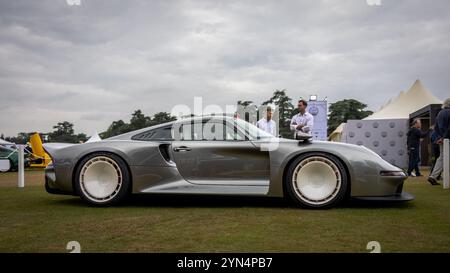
pixel 387 138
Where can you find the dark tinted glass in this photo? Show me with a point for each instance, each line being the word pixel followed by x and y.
pixel 155 134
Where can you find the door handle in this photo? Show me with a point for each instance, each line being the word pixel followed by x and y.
pixel 181 149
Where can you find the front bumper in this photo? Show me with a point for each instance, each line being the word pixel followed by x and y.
pixel 388 188
pixel 374 181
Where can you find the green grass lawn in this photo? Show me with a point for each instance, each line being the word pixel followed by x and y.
pixel 33 221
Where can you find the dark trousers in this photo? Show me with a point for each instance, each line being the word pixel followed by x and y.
pixel 436 153
pixel 414 159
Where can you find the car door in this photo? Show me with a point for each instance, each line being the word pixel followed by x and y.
pixel 212 152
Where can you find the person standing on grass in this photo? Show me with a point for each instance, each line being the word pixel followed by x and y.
pixel 442 128
pixel 267 124
pixel 413 143
pixel 434 149
pixel 302 122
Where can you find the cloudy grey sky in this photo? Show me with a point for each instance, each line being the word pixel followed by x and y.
pixel 95 63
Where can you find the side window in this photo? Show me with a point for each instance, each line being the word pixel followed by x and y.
pixel 163 134
pixel 232 133
pixel 208 131
pixel 184 131
pixel 220 131
pixel 155 134
pixel 213 131
pixel 190 131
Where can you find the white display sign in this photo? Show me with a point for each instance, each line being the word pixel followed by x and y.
pixel 319 109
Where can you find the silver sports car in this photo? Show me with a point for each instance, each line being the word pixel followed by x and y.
pixel 223 156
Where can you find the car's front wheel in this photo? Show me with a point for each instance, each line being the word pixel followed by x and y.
pixel 316 180
pixel 102 179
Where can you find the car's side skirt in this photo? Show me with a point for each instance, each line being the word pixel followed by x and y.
pixel 183 187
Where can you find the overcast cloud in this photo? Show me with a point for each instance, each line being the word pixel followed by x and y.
pixel 95 63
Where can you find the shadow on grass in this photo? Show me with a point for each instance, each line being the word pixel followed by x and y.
pixel 206 201
pixel 180 201
pixel 202 201
pixel 354 204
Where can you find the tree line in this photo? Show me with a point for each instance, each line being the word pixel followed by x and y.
pixel 339 112
pixel 64 131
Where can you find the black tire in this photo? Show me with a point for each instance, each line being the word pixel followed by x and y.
pixel 123 184
pixel 302 199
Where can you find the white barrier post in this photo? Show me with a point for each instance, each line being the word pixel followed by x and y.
pixel 21 167
pixel 446 163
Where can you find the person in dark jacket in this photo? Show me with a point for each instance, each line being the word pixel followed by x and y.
pixel 442 128
pixel 434 137
pixel 413 143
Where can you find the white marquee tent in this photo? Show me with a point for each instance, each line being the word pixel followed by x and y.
pixel 406 103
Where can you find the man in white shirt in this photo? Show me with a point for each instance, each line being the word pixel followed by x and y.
pixel 267 123
pixel 302 122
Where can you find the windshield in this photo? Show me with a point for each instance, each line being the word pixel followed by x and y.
pixel 252 131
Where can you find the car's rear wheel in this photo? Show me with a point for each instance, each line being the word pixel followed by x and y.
pixel 102 179
pixel 316 180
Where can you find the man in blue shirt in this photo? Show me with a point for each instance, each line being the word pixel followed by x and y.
pixel 442 128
